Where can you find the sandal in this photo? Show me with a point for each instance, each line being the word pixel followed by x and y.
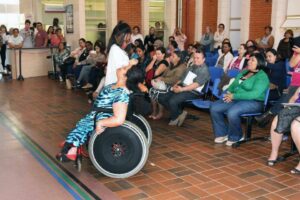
pixel 295 171
pixel 271 162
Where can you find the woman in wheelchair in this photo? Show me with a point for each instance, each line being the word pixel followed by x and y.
pixel 113 96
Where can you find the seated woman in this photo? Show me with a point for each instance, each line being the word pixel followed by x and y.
pixel 295 131
pixel 225 57
pixel 157 66
pixel 277 74
pixel 239 62
pixel 59 57
pixel 245 95
pixel 281 124
pixel 95 57
pixel 170 77
pixel 143 58
pixel 188 88
pixel 115 96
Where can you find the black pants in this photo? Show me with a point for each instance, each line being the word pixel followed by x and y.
pixel 3 55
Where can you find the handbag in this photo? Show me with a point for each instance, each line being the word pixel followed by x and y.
pixel 158 84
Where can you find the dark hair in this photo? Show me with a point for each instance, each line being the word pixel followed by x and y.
pixel 261 61
pixel 118 34
pixel 55 21
pixel 101 46
pixel 161 49
pixel 49 29
pixel 229 45
pixel 15 29
pixel 58 29
pixel 273 51
pixel 269 27
pixel 27 21
pixel 179 55
pixel 201 51
pixel 82 39
pixel 139 41
pixel 222 25
pixel 135 76
pixel 289 31
pixel 141 46
pixel 137 27
pixel 174 44
pixel 172 37
pixel 39 23
pixel 89 42
pixel 130 47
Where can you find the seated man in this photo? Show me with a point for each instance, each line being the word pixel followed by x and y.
pixel 187 88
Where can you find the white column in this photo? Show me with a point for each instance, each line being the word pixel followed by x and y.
pixel 145 17
pixel 170 19
pixel 245 20
pixel 279 13
pixel 224 14
pixel 78 23
pixel 111 16
pixel 198 20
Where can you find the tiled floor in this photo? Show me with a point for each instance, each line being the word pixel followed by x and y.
pixel 183 163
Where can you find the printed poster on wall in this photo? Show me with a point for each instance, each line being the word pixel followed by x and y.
pixel 69 19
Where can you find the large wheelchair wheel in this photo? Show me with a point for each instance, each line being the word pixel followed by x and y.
pixel 143 124
pixel 119 152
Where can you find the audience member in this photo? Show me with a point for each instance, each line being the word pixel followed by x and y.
pixel 266 41
pixel 149 40
pixel 188 88
pixel 136 34
pixel 163 83
pixel 245 95
pixel 180 38
pixel 225 57
pixel 27 35
pixel 157 66
pixel 281 124
pixel 284 49
pixel 94 57
pixel 207 40
pixel 15 41
pixel 60 56
pixel 41 38
pixel 219 36
pixel 295 130
pixel 239 62
pixel 144 59
pixel 277 74
pixel 3 52
pixel 57 38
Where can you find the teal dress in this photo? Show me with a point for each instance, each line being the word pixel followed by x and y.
pixel 106 99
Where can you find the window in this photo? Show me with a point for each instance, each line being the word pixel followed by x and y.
pixel 156 16
pixel 10 14
pixel 95 20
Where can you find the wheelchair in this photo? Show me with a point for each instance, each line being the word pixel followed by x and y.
pixel 119 152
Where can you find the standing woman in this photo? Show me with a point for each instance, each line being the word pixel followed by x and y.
pixel 4 35
pixel 117 57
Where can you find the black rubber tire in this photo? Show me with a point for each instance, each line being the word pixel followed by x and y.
pixel 143 124
pixel 119 152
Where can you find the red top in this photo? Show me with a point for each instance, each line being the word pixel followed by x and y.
pixel 40 38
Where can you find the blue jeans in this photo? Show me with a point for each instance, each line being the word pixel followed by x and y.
pixel 233 109
pixel 174 101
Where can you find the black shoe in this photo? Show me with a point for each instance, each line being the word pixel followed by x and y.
pixel 264 119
